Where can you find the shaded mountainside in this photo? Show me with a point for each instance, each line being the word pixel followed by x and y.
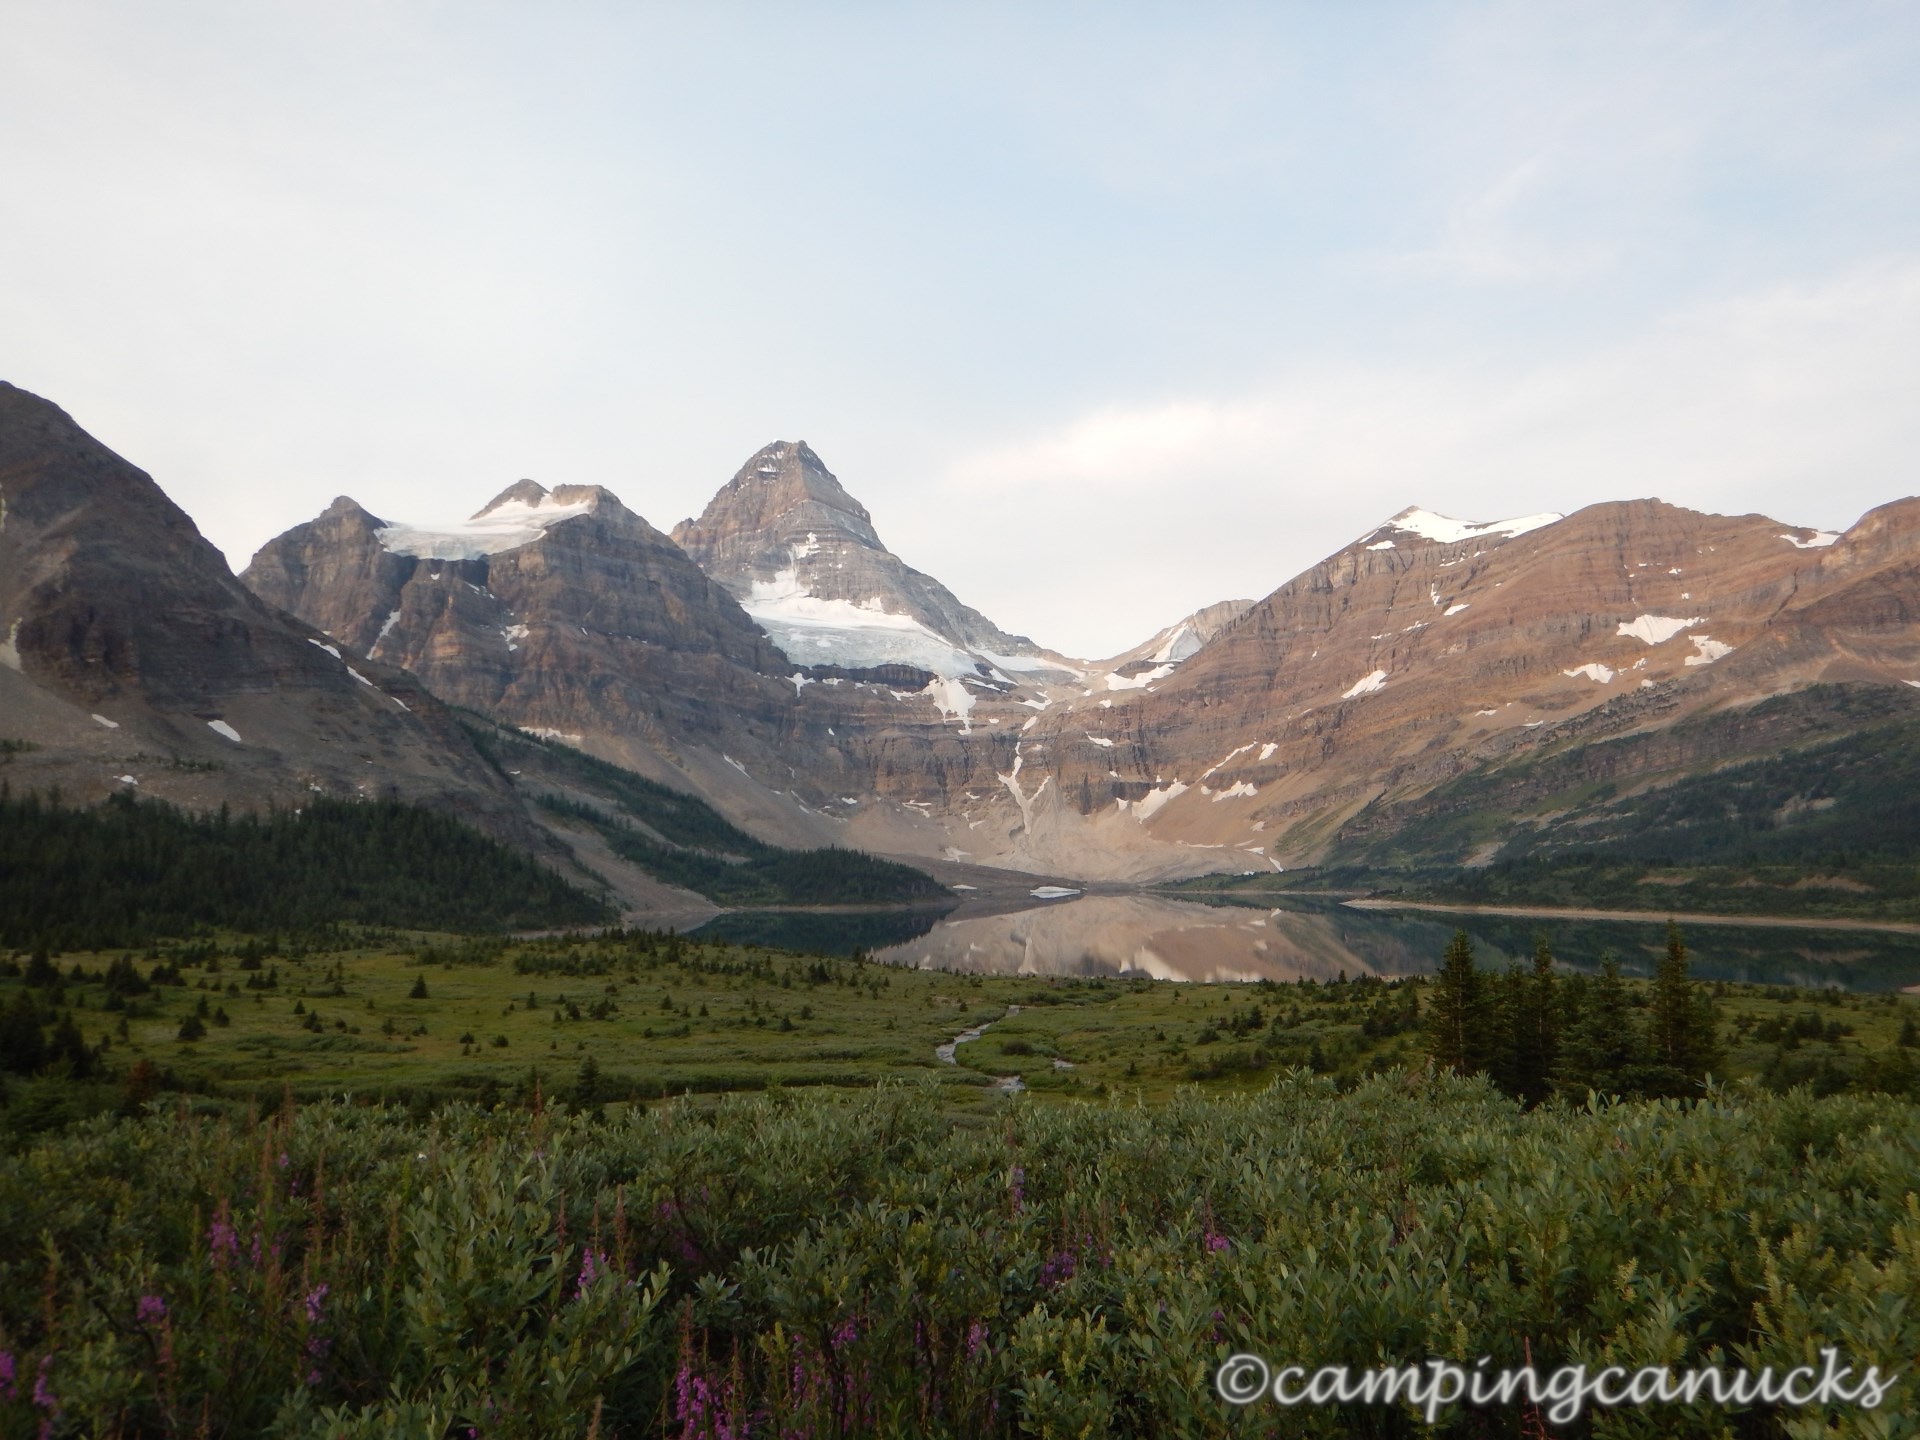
pixel 133 659
pixel 681 840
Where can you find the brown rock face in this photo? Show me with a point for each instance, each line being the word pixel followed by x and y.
pixel 133 657
pixel 1406 659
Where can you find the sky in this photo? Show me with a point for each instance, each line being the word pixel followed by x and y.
pixel 1104 311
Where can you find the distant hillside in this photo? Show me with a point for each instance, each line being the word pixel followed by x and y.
pixel 680 839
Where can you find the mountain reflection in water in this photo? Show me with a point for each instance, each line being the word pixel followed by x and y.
pixel 1150 936
pixel 1317 938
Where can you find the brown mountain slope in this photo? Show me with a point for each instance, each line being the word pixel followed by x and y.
pixel 132 657
pixel 1405 660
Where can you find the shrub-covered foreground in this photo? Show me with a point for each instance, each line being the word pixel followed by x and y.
pixel 867 1265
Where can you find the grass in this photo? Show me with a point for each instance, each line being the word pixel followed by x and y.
pixel 634 1016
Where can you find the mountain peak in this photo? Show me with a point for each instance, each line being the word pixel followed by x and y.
pixel 521 492
pixel 1444 529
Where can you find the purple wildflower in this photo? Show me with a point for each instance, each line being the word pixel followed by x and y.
pixel 43 1395
pixel 6 1375
pixel 151 1310
pixel 1017 1186
pixel 1217 1242
pixel 316 1299
pixel 976 1337
pixel 223 1241
pixel 1058 1269
pixel 593 1264
pixel 284 1161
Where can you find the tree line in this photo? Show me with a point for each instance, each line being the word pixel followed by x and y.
pixel 130 870
pixel 1535 1033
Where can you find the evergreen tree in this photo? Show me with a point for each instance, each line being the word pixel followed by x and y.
pixel 1605 1050
pixel 1460 1019
pixel 1532 1025
pixel 23 1049
pixel 1682 1022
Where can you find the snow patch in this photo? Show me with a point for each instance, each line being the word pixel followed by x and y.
pixel 220 727
pixel 1244 787
pixel 1365 685
pixel 951 697
pixel 1151 803
pixel 358 676
pixel 392 620
pixel 1383 545
pixel 324 646
pixel 505 527
pixel 1821 539
pixel 800 682
pixel 1145 677
pixel 1595 671
pixel 1657 629
pixel 734 763
pixel 1456 609
pixel 1448 531
pixel 110 724
pixel 1707 651
pixel 10 648
pixel 565 737
pixel 1267 749
pixel 1101 741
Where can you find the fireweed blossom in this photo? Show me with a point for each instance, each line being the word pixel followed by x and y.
pixel 6 1374
pixel 151 1310
pixel 317 1344
pixel 223 1241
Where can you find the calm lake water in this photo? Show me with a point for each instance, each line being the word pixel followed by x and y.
pixel 1229 939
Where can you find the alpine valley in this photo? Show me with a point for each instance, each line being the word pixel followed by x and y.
pixel 1438 693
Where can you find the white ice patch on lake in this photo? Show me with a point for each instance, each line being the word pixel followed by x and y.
pixel 505 527
pixel 1657 629
pixel 1365 685
pixel 220 727
pixel 1051 892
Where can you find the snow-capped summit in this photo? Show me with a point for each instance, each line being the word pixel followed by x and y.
pixel 801 555
pixel 1427 525
pixel 517 516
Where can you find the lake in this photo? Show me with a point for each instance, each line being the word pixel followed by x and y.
pixel 1229 938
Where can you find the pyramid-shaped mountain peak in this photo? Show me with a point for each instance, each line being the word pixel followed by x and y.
pixel 523 492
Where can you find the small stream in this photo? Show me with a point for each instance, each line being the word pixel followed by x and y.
pixel 1006 1084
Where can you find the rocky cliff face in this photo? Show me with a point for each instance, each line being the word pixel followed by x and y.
pixel 130 657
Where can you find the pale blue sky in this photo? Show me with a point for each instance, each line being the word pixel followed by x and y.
pixel 1105 311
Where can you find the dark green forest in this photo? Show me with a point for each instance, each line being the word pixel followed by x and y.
pixel 130 870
